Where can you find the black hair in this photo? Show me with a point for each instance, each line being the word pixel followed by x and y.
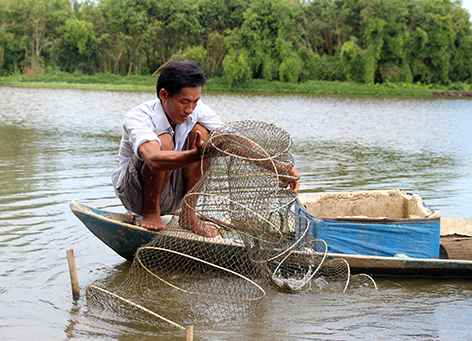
pixel 180 74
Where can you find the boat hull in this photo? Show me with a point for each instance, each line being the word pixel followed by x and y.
pixel 118 232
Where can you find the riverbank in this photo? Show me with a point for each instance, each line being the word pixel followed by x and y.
pixel 258 86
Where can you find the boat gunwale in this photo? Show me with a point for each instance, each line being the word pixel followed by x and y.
pixel 373 220
pixel 182 233
pixel 429 262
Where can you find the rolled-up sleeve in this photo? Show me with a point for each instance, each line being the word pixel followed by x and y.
pixel 139 129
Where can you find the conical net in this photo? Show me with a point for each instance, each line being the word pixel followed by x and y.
pixel 260 243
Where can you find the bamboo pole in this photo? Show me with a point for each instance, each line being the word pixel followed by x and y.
pixel 189 333
pixel 73 275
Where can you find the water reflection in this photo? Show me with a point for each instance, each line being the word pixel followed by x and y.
pixel 334 166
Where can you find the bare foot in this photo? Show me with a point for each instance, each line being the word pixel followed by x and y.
pixel 153 222
pixel 198 227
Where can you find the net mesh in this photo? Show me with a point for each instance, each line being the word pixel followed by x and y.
pixel 260 241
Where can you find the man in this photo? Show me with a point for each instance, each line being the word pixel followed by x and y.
pixel 161 148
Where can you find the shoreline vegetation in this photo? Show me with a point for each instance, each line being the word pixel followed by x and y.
pixel 319 47
pixel 215 85
pixel 255 86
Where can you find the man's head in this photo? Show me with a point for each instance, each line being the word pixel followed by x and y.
pixel 179 74
pixel 178 88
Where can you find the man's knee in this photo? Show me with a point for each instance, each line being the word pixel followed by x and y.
pixel 166 141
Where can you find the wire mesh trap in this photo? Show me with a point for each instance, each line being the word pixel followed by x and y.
pixel 259 242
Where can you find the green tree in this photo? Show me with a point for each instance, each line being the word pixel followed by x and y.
pixel 33 31
pixel 432 41
pixel 236 68
pixel 350 59
pixel 218 17
pixel 461 60
pixel 79 45
pixel 196 53
pixel 367 41
pixel 324 26
pixel 127 35
pixel 179 27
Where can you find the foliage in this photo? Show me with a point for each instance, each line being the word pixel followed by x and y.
pixel 79 44
pixel 196 53
pixel 362 41
pixel 236 68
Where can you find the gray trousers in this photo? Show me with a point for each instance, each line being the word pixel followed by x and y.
pixel 130 189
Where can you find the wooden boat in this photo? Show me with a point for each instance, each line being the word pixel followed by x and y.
pixel 120 233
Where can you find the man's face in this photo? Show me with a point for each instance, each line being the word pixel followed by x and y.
pixel 179 107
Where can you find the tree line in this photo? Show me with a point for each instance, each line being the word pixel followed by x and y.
pixel 364 41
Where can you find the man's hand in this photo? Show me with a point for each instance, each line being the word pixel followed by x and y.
pixel 293 176
pixel 209 147
pixel 294 184
pixel 199 142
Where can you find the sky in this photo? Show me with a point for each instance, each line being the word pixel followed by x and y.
pixel 467 4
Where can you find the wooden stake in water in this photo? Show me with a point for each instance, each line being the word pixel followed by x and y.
pixel 189 333
pixel 73 274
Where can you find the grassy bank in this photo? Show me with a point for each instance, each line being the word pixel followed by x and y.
pixel 320 88
pixel 57 79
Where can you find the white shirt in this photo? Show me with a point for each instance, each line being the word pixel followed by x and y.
pixel 142 122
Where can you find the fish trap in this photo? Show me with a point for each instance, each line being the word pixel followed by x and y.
pixel 260 241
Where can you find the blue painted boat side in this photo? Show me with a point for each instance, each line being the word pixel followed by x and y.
pixel 416 238
pixel 113 229
pixel 117 232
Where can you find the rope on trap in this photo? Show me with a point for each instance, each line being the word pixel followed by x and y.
pixel 245 166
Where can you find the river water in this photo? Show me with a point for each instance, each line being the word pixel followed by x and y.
pixel 59 145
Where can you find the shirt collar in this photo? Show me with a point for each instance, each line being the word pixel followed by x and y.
pixel 160 118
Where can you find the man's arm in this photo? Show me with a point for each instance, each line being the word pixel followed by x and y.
pixel 245 147
pixel 167 160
